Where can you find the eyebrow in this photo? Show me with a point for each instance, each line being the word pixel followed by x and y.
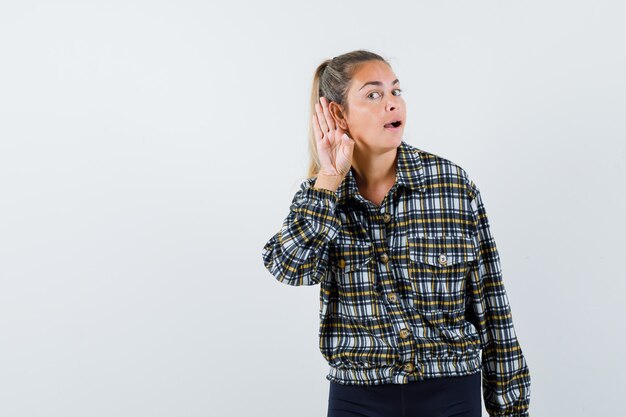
pixel 378 83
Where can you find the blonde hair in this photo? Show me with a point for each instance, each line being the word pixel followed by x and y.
pixel 331 80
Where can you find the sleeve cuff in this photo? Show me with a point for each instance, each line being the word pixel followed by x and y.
pixel 318 206
pixel 318 197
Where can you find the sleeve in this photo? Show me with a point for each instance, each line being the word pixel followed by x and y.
pixel 298 253
pixel 506 377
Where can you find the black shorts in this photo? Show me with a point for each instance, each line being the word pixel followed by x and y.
pixel 456 396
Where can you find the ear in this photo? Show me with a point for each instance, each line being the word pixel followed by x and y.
pixel 337 113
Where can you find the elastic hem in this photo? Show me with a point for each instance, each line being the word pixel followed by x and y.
pixel 395 374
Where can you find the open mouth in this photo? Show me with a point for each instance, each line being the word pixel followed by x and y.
pixel 395 124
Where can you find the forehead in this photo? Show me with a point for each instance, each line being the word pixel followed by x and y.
pixel 372 71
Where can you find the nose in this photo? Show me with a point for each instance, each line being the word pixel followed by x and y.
pixel 392 104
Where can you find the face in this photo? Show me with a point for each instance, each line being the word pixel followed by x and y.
pixel 374 101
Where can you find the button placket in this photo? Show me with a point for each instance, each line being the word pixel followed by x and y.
pixel 399 321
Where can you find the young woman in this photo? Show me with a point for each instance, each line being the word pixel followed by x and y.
pixel 413 309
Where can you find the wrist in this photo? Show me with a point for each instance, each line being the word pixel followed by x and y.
pixel 329 182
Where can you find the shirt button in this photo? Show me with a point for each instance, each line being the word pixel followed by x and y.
pixel 442 259
pixel 392 297
pixel 404 333
pixel 342 263
pixel 384 257
pixel 387 217
pixel 408 367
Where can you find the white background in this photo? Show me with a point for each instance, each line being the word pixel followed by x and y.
pixel 149 149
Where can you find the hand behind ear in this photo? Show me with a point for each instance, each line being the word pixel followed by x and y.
pixel 334 146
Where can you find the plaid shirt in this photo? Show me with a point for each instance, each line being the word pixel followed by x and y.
pixel 411 289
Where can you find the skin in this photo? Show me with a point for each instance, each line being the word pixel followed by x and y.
pixel 372 149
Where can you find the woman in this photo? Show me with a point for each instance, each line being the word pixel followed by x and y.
pixel 413 310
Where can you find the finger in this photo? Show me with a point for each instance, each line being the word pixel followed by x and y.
pixel 320 119
pixel 329 119
pixel 316 128
pixel 340 131
pixel 319 136
pixel 347 146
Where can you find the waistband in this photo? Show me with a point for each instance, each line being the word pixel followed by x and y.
pixel 354 374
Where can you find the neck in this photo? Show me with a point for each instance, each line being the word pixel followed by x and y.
pixel 374 170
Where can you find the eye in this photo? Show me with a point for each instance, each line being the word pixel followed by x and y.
pixel 376 92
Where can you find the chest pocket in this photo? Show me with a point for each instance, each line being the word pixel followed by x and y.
pixel 352 267
pixel 438 268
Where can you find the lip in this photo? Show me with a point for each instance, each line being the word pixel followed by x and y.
pixel 392 121
pixel 394 129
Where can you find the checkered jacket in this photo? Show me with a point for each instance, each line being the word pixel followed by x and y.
pixel 410 289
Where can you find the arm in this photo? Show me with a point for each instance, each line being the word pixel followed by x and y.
pixel 298 253
pixel 506 378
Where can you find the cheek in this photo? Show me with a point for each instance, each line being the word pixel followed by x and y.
pixel 363 121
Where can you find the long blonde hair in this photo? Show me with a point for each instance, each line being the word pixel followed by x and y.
pixel 331 80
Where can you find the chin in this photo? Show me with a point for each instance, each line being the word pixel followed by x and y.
pixel 395 139
pixel 389 143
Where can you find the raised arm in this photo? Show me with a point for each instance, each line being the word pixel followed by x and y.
pixel 298 253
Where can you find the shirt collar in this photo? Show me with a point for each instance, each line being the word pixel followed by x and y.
pixel 409 173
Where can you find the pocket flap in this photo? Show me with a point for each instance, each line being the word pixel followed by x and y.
pixel 441 251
